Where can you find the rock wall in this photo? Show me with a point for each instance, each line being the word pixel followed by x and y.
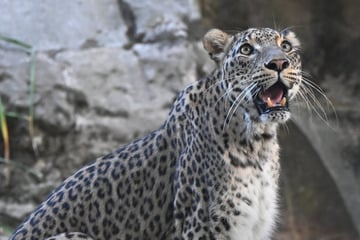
pixel 108 71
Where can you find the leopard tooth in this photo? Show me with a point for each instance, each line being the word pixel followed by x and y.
pixel 283 101
pixel 269 102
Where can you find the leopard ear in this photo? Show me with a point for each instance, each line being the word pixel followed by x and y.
pixel 216 43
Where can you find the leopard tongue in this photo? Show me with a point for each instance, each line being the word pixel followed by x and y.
pixel 274 96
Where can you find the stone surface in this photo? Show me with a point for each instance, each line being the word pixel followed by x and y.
pixel 168 19
pixel 63 24
pixel 310 199
pixel 337 144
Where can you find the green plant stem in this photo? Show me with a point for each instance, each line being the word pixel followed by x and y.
pixel 32 92
pixel 4 131
pixel 16 42
pixel 3 114
pixel 7 230
pixel 15 115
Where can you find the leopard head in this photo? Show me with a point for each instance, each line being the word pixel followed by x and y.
pixel 260 70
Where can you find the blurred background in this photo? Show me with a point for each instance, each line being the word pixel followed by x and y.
pixel 80 78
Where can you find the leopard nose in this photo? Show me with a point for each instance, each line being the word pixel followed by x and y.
pixel 277 64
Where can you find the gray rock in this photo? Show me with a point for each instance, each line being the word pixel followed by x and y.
pixel 11 56
pixel 170 67
pixel 63 24
pixel 331 146
pixel 336 138
pixel 167 21
pixel 16 210
pixel 109 78
pixel 111 81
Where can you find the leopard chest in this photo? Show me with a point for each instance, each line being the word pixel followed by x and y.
pixel 251 199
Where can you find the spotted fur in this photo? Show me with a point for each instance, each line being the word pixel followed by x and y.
pixel 209 172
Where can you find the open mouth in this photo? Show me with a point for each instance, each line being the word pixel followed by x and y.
pixel 275 98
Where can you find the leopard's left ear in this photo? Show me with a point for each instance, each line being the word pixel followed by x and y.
pixel 291 36
pixel 216 43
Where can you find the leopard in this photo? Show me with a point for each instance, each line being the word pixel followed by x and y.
pixel 210 171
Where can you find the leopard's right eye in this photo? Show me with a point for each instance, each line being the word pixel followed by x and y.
pixel 246 49
pixel 286 46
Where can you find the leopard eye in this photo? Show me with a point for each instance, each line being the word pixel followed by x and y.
pixel 286 46
pixel 246 49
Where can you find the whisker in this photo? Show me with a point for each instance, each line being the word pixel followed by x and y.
pixel 285 128
pixel 302 95
pixel 318 89
pixel 308 91
pixel 239 99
